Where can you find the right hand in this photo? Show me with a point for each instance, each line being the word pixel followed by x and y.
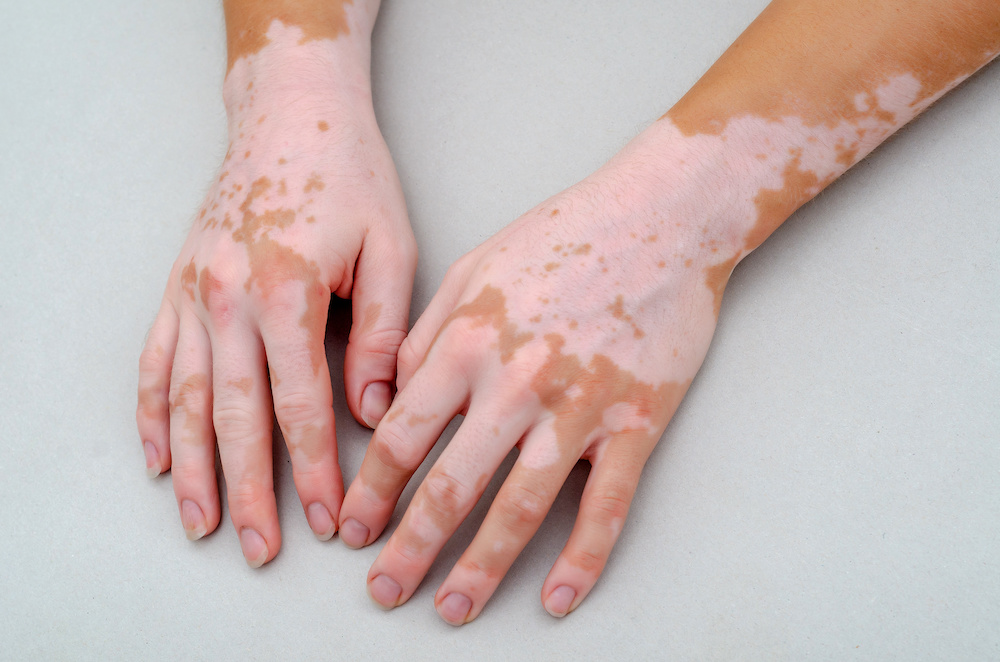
pixel 307 203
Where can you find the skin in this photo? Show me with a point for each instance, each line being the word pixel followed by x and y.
pixel 569 353
pixel 306 205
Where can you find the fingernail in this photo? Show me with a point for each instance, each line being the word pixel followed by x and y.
pixel 354 533
pixel 320 521
pixel 385 591
pixel 254 547
pixel 193 520
pixel 375 402
pixel 560 600
pixel 152 459
pixel 455 608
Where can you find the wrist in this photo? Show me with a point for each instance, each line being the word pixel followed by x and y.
pixel 290 69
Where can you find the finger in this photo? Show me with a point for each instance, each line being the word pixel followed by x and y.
pixel 303 401
pixel 383 284
pixel 603 509
pixel 418 342
pixel 444 499
pixel 516 513
pixel 192 436
pixel 401 441
pixel 152 415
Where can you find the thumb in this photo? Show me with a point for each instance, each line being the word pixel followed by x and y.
pixel 380 313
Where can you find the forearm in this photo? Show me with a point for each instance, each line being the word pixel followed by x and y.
pixel 808 90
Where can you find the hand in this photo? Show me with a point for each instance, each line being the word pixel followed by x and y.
pixel 572 334
pixel 307 204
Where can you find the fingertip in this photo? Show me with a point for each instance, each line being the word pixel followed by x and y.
pixel 153 465
pixel 560 601
pixel 254 547
pixel 321 522
pixel 384 591
pixel 354 533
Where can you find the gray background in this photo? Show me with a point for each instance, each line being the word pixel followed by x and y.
pixel 830 488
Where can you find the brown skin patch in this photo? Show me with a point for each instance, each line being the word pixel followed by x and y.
pixel 207 283
pixel 372 312
pixel 821 55
pixel 716 278
pixel 551 266
pixel 394 413
pixel 322 126
pixel 776 205
pixel 415 419
pixel 273 265
pixel 189 276
pixel 490 307
pixel 311 441
pixel 282 161
pixel 243 385
pixel 582 249
pixel 598 386
pixel 315 182
pixel 247 22
pixel 194 387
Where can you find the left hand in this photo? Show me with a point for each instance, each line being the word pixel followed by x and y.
pixel 572 334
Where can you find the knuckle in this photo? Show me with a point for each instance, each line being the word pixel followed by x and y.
pixel 408 359
pixel 445 495
pixel 610 506
pixel 152 361
pixel 385 342
pixel 395 447
pixel 235 423
pixel 296 410
pixel 589 560
pixel 247 494
pixel 194 394
pixel 522 507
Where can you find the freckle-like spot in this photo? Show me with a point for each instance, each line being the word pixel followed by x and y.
pixel 244 385
pixel 651 238
pixel 227 223
pixel 282 161
pixel 573 324
pixel 555 212
pixel 189 276
pixel 557 248
pixel 675 351
pixel 535 319
pixel 322 126
pixel 582 249
pixel 661 264
pixel 250 86
pixel 617 310
pixel 223 175
pixel 282 189
pixel 315 182
pixel 246 154
pixel 490 307
pixel 496 430
pixel 551 266
pixel 503 249
pixel 371 173
pixel 310 219
pixel 261 119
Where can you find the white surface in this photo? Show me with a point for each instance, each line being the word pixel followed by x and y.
pixel 830 488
